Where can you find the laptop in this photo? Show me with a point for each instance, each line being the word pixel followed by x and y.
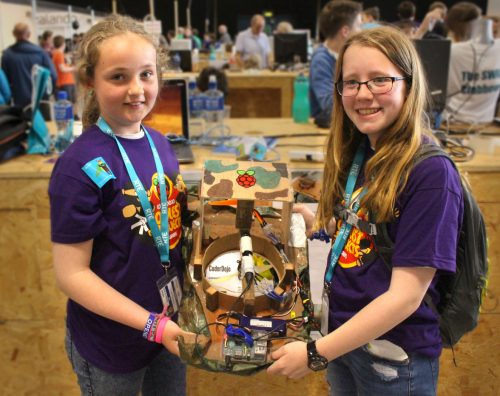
pixel 170 116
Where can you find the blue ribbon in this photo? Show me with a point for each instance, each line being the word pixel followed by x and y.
pixel 345 229
pixel 161 235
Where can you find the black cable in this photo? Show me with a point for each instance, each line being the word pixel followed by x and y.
pixel 231 310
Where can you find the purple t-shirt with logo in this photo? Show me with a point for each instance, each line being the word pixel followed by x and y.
pixel 123 253
pixel 429 214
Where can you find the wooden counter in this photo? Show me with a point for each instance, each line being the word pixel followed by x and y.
pixel 32 309
pixel 260 93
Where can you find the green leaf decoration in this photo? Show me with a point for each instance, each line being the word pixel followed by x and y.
pixel 240 172
pixel 250 172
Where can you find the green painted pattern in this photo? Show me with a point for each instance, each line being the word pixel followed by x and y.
pixel 216 166
pixel 265 178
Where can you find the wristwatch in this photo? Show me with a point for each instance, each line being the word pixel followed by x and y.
pixel 315 361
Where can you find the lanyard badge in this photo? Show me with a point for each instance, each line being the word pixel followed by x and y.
pixel 160 234
pixel 170 290
pixel 345 229
pixel 342 235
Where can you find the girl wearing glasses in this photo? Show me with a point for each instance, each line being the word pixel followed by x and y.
pixel 381 337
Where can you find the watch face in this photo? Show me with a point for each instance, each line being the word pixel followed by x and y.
pixel 318 364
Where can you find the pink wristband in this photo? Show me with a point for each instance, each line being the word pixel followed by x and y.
pixel 160 328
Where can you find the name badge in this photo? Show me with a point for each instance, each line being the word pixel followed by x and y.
pixel 170 290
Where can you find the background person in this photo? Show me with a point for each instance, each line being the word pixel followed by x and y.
pixel 19 59
pixel 370 17
pixel 474 72
pixel 337 21
pixel 65 76
pixel 284 27
pixel 224 36
pixel 253 42
pixel 47 42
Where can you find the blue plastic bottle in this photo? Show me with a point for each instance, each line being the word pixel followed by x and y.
pixel 300 106
pixel 214 105
pixel 196 100
pixel 63 114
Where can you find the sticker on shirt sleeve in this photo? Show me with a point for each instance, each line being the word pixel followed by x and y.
pixel 98 171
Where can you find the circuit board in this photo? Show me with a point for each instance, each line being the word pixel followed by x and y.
pixel 237 350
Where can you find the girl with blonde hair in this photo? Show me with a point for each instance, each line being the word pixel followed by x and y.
pixel 115 223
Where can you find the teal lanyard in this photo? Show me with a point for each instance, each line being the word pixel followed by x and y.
pixel 161 235
pixel 345 229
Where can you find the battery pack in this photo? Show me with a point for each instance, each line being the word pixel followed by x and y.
pixel 275 327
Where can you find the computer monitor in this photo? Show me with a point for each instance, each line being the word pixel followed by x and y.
pixel 435 57
pixel 289 47
pixel 182 59
pixel 181 44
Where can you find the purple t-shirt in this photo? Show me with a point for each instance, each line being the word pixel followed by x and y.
pixel 123 253
pixel 429 214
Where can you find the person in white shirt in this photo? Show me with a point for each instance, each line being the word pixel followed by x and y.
pixel 474 73
pixel 253 43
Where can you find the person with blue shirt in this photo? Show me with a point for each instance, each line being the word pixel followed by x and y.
pixel 5 93
pixel 337 21
pixel 371 18
pixel 18 60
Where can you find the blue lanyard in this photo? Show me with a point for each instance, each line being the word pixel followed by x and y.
pixel 345 229
pixel 161 235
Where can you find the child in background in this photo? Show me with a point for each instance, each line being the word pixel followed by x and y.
pixel 115 219
pixel 65 77
pixel 382 339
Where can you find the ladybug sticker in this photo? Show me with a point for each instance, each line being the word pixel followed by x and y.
pixel 246 178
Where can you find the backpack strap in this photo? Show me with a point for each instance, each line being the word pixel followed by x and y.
pixel 383 241
pixel 349 217
pixel 378 231
pixel 429 150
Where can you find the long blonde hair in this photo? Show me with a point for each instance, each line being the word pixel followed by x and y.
pixel 386 173
pixel 88 56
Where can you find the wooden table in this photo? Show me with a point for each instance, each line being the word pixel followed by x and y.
pixel 261 93
pixel 32 309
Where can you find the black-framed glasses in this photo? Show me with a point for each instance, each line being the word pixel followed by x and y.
pixel 377 85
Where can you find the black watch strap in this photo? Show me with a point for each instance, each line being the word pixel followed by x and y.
pixel 315 361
